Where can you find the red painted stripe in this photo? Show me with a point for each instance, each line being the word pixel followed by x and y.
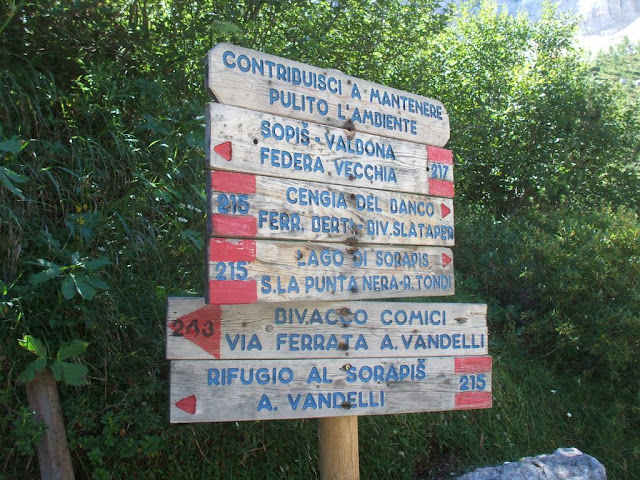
pixel 223 250
pixel 441 188
pixel 440 155
pixel 232 182
pixel 188 404
pixel 195 327
pixel 232 292
pixel 231 226
pixel 473 364
pixel 473 400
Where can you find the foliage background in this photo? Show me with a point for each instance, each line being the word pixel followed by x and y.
pixel 102 217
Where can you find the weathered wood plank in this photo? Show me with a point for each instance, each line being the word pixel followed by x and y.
pixel 259 143
pixel 246 78
pixel 250 271
pixel 254 206
pixel 232 390
pixel 197 331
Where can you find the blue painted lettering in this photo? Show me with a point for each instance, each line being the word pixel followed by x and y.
pixel 336 400
pixel 344 316
pixel 386 343
pixel 443 341
pixel 293 286
pixel 401 259
pixel 325 258
pixel 315 376
pixel 377 227
pixel 413 317
pixel 373 173
pixel 359 258
pixel 434 282
pixel 318 198
pixel 421 230
pixel 411 207
pixel 227 59
pixel 379 283
pixel 355 92
pixel 265 281
pixel 264 403
pixel 263 376
pixel 409 104
pixel 357 146
pixel 388 373
pixel 361 343
pixel 288 133
pixel 384 121
pixel 326 224
pixel 367 203
pixel 279 221
pixel 301 342
pixel 291 161
pixel 297 102
pixel 240 340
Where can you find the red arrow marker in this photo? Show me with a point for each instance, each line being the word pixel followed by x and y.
pixel 188 404
pixel 444 210
pixel 224 150
pixel 446 259
pixel 201 327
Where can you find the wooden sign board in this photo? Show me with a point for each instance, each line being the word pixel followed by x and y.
pixel 197 331
pixel 246 78
pixel 259 143
pixel 250 271
pixel 252 206
pixel 233 390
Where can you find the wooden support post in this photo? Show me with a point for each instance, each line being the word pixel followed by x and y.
pixel 54 457
pixel 338 438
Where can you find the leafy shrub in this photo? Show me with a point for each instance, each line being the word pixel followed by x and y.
pixel 567 280
pixel 101 191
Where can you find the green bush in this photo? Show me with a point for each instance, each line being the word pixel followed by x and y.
pixel 567 280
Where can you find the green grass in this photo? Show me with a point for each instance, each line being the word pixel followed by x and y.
pixel 540 407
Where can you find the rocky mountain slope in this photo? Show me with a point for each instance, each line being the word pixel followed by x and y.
pixel 602 22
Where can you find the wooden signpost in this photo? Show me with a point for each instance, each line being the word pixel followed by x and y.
pixel 200 331
pixel 246 78
pixel 249 271
pixel 224 390
pixel 324 190
pixel 246 141
pixel 244 205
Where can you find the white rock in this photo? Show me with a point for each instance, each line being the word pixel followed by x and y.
pixel 563 464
